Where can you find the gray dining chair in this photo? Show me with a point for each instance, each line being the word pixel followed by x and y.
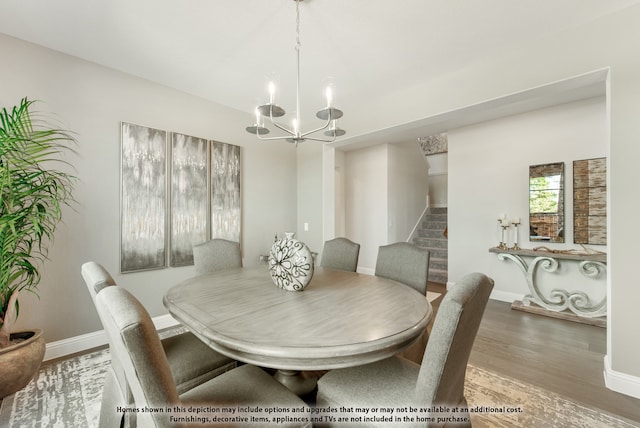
pixel 340 253
pixel 190 360
pixel 137 345
pixel 438 381
pixel 216 254
pixel 405 263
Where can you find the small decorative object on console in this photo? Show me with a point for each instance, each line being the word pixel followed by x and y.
pixel 290 264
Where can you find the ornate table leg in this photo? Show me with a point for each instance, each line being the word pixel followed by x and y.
pixel 576 301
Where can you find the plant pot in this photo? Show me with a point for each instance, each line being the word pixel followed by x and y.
pixel 21 361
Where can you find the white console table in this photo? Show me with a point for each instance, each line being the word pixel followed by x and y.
pixel 560 303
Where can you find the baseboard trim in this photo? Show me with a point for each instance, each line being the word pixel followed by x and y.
pixel 620 382
pixel 366 270
pixel 501 296
pixel 84 342
pixel 505 296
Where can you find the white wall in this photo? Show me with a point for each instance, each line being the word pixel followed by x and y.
pixel 92 101
pixel 385 191
pixel 438 179
pixel 408 189
pixel 339 212
pixel 489 175
pixel 309 202
pixel 366 196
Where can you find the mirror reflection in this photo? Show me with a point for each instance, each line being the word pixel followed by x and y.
pixel 546 202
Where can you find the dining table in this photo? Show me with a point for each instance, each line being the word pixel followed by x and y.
pixel 340 319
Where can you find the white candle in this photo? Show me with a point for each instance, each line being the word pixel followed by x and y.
pixel 329 95
pixel 515 236
pixel 272 91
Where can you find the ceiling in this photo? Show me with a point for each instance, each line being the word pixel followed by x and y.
pixel 226 51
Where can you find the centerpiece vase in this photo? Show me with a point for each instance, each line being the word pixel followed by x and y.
pixel 290 263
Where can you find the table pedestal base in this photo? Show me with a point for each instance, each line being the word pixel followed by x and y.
pixel 293 379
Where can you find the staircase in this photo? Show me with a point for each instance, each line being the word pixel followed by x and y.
pixel 430 235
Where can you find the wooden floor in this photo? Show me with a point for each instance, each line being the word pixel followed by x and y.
pixel 558 355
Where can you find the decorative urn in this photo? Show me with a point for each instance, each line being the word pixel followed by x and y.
pixel 290 263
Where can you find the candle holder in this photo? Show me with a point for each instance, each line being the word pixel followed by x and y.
pixel 515 240
pixel 504 225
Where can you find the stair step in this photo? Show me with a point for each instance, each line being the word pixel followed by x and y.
pixel 439 276
pixel 434 225
pixel 441 244
pixel 435 217
pixel 438 253
pixel 438 263
pixel 440 210
pixel 431 233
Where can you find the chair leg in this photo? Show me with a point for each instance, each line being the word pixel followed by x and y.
pixel 111 399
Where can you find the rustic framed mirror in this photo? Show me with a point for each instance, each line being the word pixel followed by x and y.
pixel 546 202
pixel 590 201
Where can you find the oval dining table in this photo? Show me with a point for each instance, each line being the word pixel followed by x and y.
pixel 340 319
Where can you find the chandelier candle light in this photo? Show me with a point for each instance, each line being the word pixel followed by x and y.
pixel 328 114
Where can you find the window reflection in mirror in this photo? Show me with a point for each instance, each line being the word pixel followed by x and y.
pixel 546 202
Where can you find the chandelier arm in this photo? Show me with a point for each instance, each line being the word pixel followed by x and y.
pixel 323 140
pixel 277 125
pixel 328 122
pixel 282 137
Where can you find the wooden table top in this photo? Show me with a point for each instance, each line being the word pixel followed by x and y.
pixel 340 319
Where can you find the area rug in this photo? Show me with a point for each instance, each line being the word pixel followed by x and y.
pixel 67 394
pixel 502 402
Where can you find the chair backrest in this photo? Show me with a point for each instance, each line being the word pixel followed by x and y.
pixel 340 253
pixel 96 277
pixel 117 391
pixel 134 339
pixel 216 254
pixel 405 263
pixel 444 364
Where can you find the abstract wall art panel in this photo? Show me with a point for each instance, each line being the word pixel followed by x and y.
pixel 144 198
pixel 188 196
pixel 225 191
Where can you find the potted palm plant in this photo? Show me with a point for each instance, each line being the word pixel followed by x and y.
pixel 33 192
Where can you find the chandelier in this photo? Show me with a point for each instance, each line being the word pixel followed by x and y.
pixel 293 134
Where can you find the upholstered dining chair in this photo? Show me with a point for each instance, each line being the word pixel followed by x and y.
pixel 137 344
pixel 340 253
pixel 216 254
pixel 405 263
pixel 438 381
pixel 190 360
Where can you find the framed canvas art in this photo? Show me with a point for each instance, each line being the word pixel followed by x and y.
pixel 189 206
pixel 143 198
pixel 225 191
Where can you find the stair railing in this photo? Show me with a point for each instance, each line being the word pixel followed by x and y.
pixel 415 228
